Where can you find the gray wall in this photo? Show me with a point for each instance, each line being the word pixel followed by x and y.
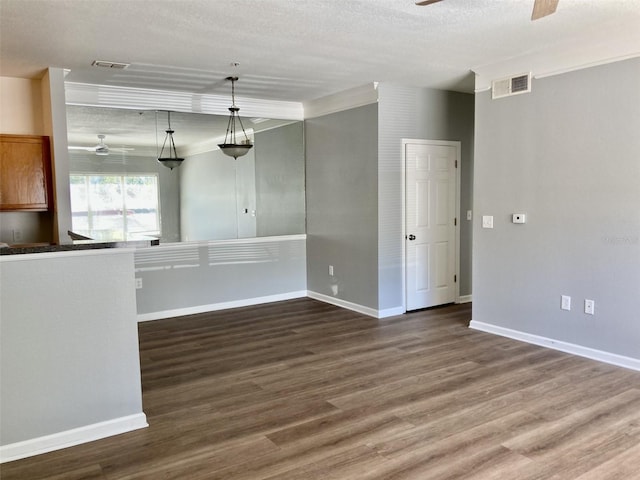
pixel 195 277
pixel 279 157
pixel 567 155
pixel 342 204
pixel 168 182
pixel 69 359
pixel 215 190
pixel 406 112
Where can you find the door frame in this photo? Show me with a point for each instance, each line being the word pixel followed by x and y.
pixel 457 146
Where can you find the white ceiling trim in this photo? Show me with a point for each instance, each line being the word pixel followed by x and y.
pixel 485 75
pixel 588 65
pixel 209 145
pixel 147 99
pixel 352 98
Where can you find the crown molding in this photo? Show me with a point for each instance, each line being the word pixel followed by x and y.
pixel 348 99
pixel 147 99
pixel 539 69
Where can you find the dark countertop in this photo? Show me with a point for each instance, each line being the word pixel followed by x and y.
pixel 76 245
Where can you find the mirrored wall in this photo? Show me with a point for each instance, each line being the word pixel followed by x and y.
pixel 120 191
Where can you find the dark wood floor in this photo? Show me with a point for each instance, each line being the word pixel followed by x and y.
pixel 303 390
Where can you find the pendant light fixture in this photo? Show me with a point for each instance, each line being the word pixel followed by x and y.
pixel 231 146
pixel 171 160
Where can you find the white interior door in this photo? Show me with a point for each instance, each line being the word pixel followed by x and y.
pixel 430 209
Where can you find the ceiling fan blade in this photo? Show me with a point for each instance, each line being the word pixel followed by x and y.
pixel 121 149
pixel 427 2
pixel 542 8
pixel 88 149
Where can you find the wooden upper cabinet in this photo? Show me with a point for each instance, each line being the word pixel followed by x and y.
pixel 25 173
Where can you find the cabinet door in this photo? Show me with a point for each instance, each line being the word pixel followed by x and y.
pixel 25 178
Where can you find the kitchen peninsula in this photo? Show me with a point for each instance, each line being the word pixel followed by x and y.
pixel 75 246
pixel 70 368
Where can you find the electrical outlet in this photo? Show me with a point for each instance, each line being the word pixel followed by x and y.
pixel 590 307
pixel 17 236
pixel 565 303
pixel 331 270
pixel 138 283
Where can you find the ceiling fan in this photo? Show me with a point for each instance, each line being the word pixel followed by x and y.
pixel 541 8
pixel 100 149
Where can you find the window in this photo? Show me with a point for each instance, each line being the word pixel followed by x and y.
pixel 115 207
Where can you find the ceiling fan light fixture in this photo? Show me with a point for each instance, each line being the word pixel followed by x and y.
pixel 171 160
pixel 102 149
pixel 231 146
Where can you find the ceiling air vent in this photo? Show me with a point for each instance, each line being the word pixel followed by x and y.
pixel 515 85
pixel 105 64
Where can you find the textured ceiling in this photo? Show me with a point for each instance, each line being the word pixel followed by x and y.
pixel 300 50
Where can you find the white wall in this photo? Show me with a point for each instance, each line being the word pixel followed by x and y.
pixel 215 190
pixel 55 125
pixel 567 155
pixel 20 106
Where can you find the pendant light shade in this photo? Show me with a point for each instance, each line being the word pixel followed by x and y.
pixel 231 145
pixel 169 159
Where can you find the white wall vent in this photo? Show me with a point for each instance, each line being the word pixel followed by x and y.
pixel 508 86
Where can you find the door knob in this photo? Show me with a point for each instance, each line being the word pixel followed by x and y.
pixel 412 237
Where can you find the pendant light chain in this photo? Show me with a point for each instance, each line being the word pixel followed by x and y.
pixel 233 91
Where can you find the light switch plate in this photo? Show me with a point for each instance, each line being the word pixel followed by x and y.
pixel 487 221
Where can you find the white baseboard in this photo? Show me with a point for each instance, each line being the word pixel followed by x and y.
pixel 69 438
pixel 465 299
pixel 593 354
pixel 178 312
pixel 338 302
pixel 391 312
